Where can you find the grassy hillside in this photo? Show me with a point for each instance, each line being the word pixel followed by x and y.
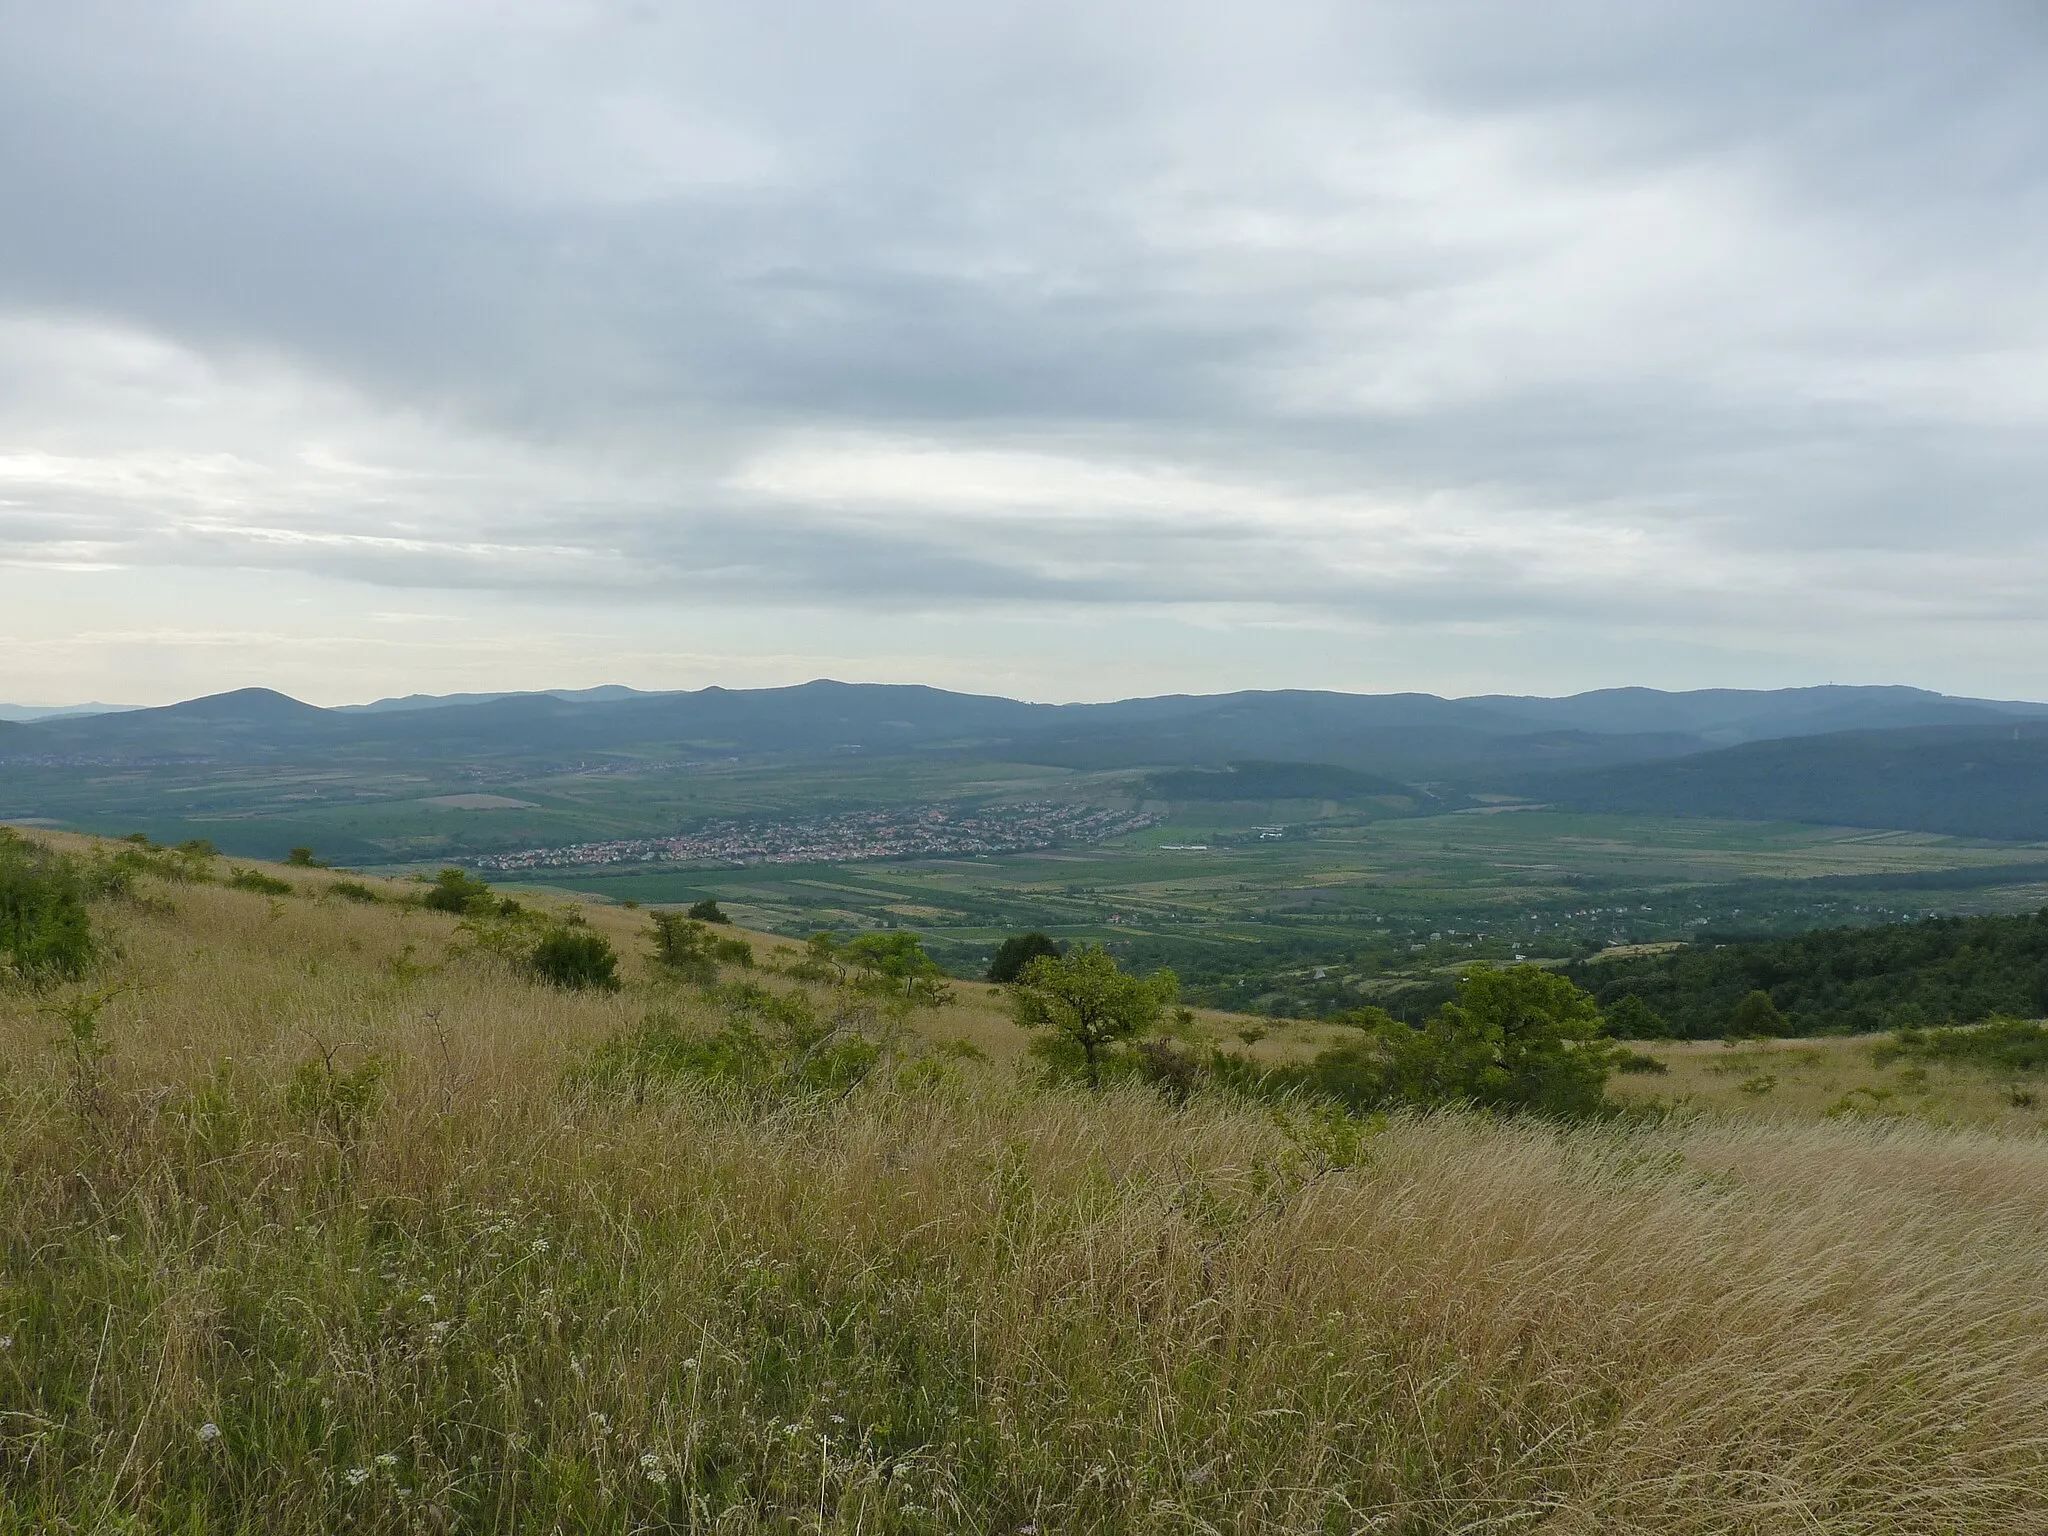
pixel 320 1221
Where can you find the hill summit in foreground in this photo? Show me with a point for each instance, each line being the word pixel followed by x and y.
pixel 318 1215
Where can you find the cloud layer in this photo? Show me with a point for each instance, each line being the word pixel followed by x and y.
pixel 1475 344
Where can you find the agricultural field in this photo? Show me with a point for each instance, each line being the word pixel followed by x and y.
pixel 1248 914
pixel 318 1215
pixel 1291 907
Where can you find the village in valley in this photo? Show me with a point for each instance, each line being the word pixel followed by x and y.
pixel 872 834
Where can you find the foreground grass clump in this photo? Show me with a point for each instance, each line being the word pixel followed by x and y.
pixel 349 1224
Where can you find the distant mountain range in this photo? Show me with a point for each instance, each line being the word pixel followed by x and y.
pixel 59 711
pixel 1884 756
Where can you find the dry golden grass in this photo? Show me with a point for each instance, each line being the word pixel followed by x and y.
pixel 1836 1076
pixel 949 1301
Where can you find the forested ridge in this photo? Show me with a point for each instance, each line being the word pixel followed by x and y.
pixel 1840 980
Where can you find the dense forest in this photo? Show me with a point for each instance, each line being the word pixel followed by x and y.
pixel 1833 980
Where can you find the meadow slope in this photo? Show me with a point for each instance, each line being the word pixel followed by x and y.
pixel 489 1293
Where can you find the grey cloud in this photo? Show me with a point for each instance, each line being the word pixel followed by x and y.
pixel 1758 283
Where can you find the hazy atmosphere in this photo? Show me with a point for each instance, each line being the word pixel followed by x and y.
pixel 1062 351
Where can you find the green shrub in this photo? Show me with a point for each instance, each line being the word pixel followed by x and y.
pixel 1517 1039
pixel 773 1048
pixel 325 1097
pixel 895 965
pixel 734 952
pixel 457 891
pixel 353 890
pixel 707 911
pixel 576 959
pixel 256 880
pixel 45 929
pixel 302 858
pixel 1641 1063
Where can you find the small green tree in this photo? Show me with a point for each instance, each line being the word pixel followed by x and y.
pixel 1756 1015
pixel 1016 952
pixel 685 947
pixel 302 858
pixel 1630 1018
pixel 896 964
pixel 707 911
pixel 1085 1002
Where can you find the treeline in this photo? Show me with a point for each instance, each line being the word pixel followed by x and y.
pixel 1832 981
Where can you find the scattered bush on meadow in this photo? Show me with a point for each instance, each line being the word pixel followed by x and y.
pixel 326 1097
pixel 685 948
pixel 302 858
pixel 458 891
pixel 1641 1063
pixel 45 929
pixel 706 911
pixel 576 959
pixel 354 890
pixel 895 965
pixel 2003 1045
pixel 1517 1039
pixel 773 1048
pixel 257 881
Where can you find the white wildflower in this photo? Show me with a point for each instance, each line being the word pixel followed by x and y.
pixel 539 1245
pixel 426 1298
pixel 209 1430
pixel 355 1477
pixel 650 1468
pixel 7 1342
pixel 386 1459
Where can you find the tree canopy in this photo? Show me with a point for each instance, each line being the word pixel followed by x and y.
pixel 1016 952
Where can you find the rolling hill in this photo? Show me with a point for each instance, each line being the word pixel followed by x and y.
pixel 1967 781
pixel 1407 737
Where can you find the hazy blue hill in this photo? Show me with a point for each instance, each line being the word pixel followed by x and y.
pixel 1256 780
pixel 1411 738
pixel 1969 781
pixel 605 693
pixel 249 722
pixel 1728 716
pixel 28 712
pixel 255 706
pixel 1403 736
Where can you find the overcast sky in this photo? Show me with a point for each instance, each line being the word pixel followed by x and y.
pixel 1060 350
